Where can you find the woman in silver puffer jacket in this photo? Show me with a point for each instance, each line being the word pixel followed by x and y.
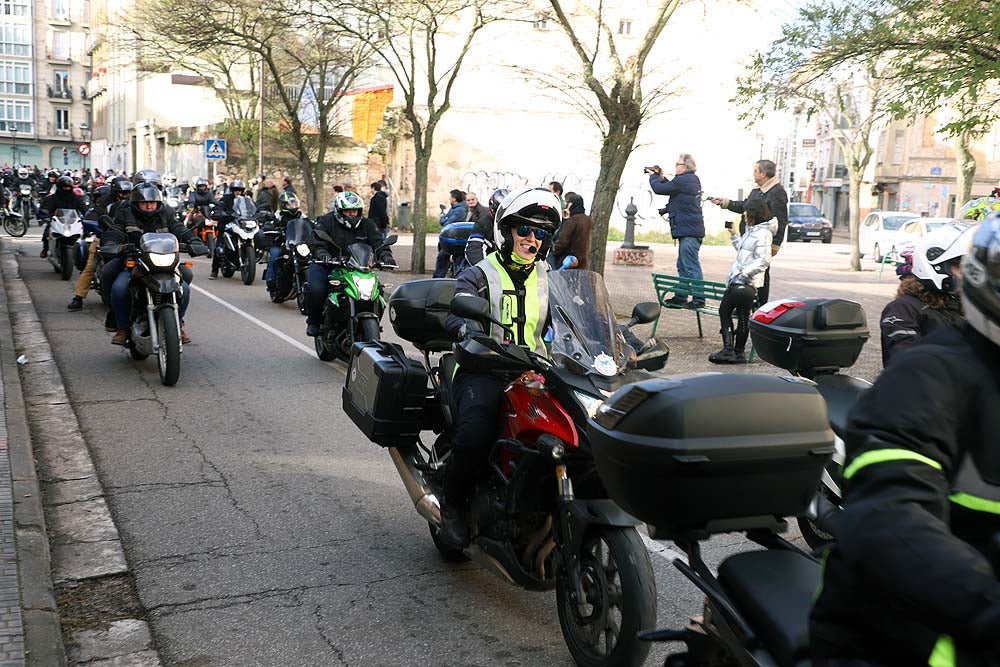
pixel 753 256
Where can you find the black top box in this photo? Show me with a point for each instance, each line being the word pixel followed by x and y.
pixel 712 452
pixel 418 310
pixel 809 336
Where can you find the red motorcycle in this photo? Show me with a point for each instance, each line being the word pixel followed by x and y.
pixel 539 517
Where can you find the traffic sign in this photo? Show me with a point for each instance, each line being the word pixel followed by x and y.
pixel 83 149
pixel 215 149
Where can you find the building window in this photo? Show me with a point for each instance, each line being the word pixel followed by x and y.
pixel 15 78
pixel 60 10
pixel 15 40
pixel 898 146
pixel 14 7
pixel 62 121
pixel 625 27
pixel 61 84
pixel 15 116
pixel 60 45
pixel 541 22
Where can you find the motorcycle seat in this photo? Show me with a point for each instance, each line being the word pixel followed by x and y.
pixel 774 591
pixel 840 392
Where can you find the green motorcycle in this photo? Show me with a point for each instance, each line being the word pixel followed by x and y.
pixel 355 302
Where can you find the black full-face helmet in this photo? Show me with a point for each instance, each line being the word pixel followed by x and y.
pixel 121 187
pixel 64 183
pixel 288 205
pixel 496 199
pixel 147 176
pixel 146 192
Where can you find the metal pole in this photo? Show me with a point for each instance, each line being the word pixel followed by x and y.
pixel 630 212
pixel 260 130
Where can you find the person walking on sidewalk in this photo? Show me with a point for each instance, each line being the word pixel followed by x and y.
pixel 770 190
pixel 687 223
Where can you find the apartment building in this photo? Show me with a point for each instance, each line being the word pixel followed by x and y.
pixel 44 111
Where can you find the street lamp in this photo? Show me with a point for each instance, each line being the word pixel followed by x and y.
pixel 13 148
pixel 85 135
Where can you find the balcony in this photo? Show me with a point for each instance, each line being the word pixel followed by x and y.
pixel 52 131
pixel 58 94
pixel 94 88
pixel 58 55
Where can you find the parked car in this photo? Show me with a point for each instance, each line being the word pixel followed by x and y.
pixel 878 231
pixel 806 223
pixel 911 231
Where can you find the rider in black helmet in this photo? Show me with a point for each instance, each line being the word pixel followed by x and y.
pixel 64 197
pixel 481 241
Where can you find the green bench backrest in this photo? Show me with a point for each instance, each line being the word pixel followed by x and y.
pixel 663 283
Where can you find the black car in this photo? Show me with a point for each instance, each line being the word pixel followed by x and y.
pixel 806 223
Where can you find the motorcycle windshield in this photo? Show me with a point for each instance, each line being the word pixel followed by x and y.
pixel 297 231
pixel 585 335
pixel 244 208
pixel 159 244
pixel 67 216
pixel 361 256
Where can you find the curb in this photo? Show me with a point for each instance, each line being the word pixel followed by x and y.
pixel 43 644
pixel 83 542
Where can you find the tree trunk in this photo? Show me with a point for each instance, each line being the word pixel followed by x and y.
pixel 966 164
pixel 419 215
pixel 854 217
pixel 615 149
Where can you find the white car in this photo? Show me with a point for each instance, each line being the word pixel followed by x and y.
pixel 877 234
pixel 912 230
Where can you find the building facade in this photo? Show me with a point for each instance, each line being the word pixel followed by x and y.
pixel 44 111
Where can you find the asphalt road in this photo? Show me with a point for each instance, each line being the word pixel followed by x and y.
pixel 261 526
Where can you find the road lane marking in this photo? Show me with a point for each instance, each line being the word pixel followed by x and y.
pixel 264 325
pixel 666 553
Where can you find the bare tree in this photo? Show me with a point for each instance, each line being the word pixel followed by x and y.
pixel 309 66
pixel 424 43
pixel 616 103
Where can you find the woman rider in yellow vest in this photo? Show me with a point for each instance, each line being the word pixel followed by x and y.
pixel 514 281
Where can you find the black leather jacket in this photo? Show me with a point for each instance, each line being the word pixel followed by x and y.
pixel 126 227
pixel 365 232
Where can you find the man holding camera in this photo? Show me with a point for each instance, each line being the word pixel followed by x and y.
pixel 770 190
pixel 687 224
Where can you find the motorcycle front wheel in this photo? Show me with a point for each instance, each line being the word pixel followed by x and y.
pixel 66 270
pixel 248 264
pixel 620 600
pixel 15 225
pixel 323 349
pixel 368 331
pixel 168 357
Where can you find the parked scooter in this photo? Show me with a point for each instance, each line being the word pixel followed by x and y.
pixel 66 227
pixel 539 516
pixel 706 454
pixel 815 339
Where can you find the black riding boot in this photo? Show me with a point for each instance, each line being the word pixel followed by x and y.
pixel 727 355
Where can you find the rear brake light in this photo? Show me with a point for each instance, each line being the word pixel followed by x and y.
pixel 772 310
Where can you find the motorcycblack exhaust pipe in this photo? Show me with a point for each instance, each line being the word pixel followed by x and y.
pixel 427 504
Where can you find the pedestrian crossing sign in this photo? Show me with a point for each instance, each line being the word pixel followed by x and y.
pixel 215 149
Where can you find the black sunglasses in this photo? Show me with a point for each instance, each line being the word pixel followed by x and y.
pixel 525 231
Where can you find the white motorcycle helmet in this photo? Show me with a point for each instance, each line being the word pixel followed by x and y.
pixel 22 173
pixel 936 255
pixel 534 207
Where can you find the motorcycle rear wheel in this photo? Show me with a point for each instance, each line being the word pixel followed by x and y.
pixel 168 357
pixel 620 592
pixel 248 264
pixel 66 271
pixel 14 225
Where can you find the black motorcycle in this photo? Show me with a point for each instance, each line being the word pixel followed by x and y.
pixel 236 242
pixel 155 291
pixel 289 279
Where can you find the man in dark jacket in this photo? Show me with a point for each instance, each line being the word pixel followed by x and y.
pixel 912 576
pixel 378 208
pixel 267 197
pixel 345 226
pixel 475 212
pixel 62 198
pixel 770 190
pixel 687 224
pixel 574 237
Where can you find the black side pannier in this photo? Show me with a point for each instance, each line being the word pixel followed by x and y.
pixel 418 310
pixel 385 393
pixel 697 454
pixel 809 336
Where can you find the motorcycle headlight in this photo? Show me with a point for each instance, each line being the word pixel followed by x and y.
pixel 172 202
pixel 250 224
pixel 589 403
pixel 302 249
pixel 366 286
pixel 164 260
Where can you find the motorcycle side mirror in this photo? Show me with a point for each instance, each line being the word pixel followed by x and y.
pixel 470 307
pixel 390 240
pixel 645 312
pixel 568 262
